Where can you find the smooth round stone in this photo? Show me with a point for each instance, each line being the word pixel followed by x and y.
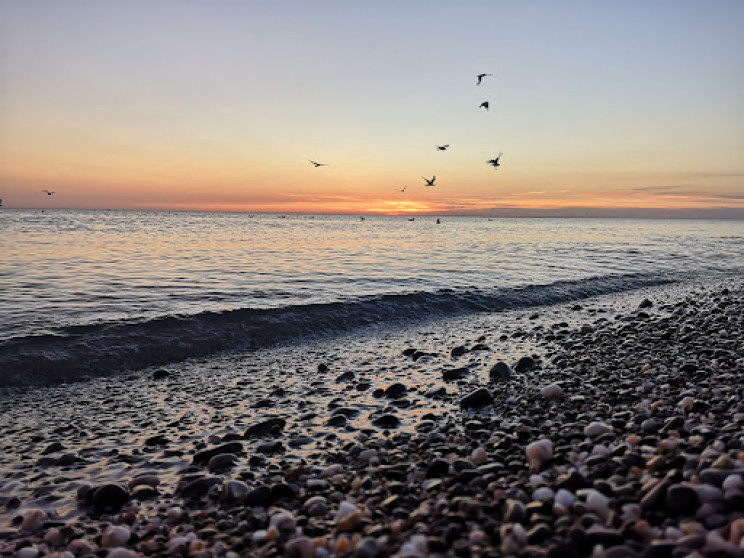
pixel 515 512
pixel 437 468
pixel 259 496
pixel 681 500
pixel 715 477
pixel 395 391
pixel 525 364
pixel 500 372
pixel 235 490
pixel 551 391
pixel 386 421
pixel 222 462
pixel 479 398
pixel 109 498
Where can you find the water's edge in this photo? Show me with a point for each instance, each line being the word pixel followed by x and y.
pixel 102 349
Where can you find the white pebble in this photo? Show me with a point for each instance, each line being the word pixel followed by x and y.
pixel 598 502
pixel 600 449
pixel 259 535
pixel 28 552
pixel 415 547
pixel 115 535
pixel 538 453
pixel 543 494
pixel 284 522
pixel 121 553
pixel 334 469
pixel 564 498
pixel 733 482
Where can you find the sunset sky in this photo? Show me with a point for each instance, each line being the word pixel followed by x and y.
pixel 220 105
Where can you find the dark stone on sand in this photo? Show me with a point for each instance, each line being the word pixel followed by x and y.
pixel 681 500
pixel 268 448
pixel 645 303
pixel 282 491
pixel 299 441
pixel 67 459
pixel 459 351
pixel 322 367
pixel 386 421
pixel 336 420
pixel 345 377
pixel 53 447
pixel 222 462
pixel 198 487
pixel 144 492
pixel 500 372
pixel 271 426
pixel 437 468
pixel 160 374
pixel 455 374
pixel 395 390
pixel 259 496
pixel 477 399
pixel 206 455
pixel 157 440
pixel 525 364
pixel 109 498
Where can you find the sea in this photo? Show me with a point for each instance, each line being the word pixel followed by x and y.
pixel 100 292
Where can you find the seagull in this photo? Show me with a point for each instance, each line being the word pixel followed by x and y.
pixel 494 162
pixel 318 164
pixel 430 182
pixel 480 77
pixel 48 193
pixel 484 104
pixel 404 188
pixel 443 147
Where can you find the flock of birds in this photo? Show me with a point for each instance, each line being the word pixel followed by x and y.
pixel 431 181
pixel 428 182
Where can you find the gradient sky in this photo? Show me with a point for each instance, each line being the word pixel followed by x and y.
pixel 219 105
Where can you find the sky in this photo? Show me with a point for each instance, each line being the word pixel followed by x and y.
pixel 599 108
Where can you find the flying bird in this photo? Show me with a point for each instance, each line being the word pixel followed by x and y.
pixel 484 104
pixel 404 187
pixel 494 162
pixel 47 192
pixel 443 147
pixel 429 182
pixel 480 77
pixel 319 164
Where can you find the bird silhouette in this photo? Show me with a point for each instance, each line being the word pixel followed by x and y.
pixel 480 77
pixel 47 192
pixel 484 104
pixel 318 164
pixel 443 147
pixel 430 182
pixel 494 162
pixel 404 188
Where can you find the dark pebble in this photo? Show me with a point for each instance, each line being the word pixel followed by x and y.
pixel 386 421
pixel 479 398
pixel 109 498
pixel 681 500
pixel 271 426
pixel 455 374
pixel 395 390
pixel 500 372
pixel 525 364
pixel 229 448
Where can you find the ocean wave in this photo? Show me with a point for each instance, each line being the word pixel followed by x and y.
pixel 100 349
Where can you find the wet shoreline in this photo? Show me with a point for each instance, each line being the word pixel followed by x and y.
pixel 363 447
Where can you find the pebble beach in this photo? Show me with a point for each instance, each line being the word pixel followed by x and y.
pixel 607 427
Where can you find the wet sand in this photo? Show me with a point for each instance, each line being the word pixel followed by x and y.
pixel 620 433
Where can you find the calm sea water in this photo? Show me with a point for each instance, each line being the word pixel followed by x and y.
pixel 130 289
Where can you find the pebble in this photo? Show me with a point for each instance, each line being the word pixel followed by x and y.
pixel 551 391
pixel 539 453
pixel 115 535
